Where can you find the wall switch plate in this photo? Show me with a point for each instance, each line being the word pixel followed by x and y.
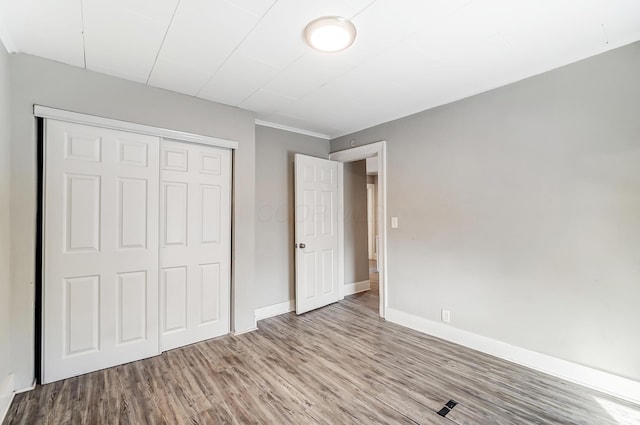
pixel 446 316
pixel 394 222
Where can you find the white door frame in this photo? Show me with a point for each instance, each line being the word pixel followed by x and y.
pixel 379 150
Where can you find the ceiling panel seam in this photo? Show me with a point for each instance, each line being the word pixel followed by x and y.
pixel 363 9
pixel 155 61
pixel 283 69
pixel 235 49
pixel 84 42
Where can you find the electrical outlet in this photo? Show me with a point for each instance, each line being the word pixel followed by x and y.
pixel 446 316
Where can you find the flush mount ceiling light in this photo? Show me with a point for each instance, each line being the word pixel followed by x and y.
pixel 330 33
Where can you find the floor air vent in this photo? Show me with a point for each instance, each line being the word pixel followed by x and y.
pixel 447 408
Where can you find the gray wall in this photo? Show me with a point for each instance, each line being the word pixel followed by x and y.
pixel 40 81
pixel 275 278
pixel 356 255
pixel 5 187
pixel 520 212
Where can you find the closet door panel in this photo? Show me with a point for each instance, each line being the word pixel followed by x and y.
pixel 195 209
pixel 100 292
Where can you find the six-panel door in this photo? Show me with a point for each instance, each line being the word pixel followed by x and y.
pixel 137 242
pixel 316 232
pixel 195 242
pixel 100 249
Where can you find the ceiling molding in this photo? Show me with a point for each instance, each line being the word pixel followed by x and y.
pixel 293 129
pixel 6 39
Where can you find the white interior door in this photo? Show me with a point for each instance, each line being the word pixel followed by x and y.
pixel 100 249
pixel 316 232
pixel 195 244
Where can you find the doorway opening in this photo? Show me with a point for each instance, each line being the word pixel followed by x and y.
pixel 373 237
pixel 375 155
pixel 358 200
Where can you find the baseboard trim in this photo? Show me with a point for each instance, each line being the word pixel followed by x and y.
pixel 5 405
pixel 7 392
pixel 354 288
pixel 598 380
pixel 246 331
pixel 275 310
pixel 27 389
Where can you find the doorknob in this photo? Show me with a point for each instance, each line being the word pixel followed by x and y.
pixel 302 246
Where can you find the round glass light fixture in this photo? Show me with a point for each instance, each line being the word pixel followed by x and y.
pixel 330 33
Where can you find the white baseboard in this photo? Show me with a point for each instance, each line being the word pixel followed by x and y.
pixel 246 331
pixel 29 388
pixel 275 310
pixel 354 288
pixel 5 404
pixel 7 392
pixel 608 383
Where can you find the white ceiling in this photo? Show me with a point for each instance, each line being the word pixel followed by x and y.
pixel 409 55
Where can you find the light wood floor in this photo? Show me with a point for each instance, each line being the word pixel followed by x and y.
pixel 337 365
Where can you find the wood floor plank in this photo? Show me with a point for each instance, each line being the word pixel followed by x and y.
pixel 402 401
pixel 338 365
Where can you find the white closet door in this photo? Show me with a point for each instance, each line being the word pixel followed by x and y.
pixel 100 249
pixel 195 242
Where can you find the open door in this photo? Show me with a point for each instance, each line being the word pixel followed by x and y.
pixel 316 232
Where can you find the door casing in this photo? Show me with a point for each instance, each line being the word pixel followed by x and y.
pixel 379 150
